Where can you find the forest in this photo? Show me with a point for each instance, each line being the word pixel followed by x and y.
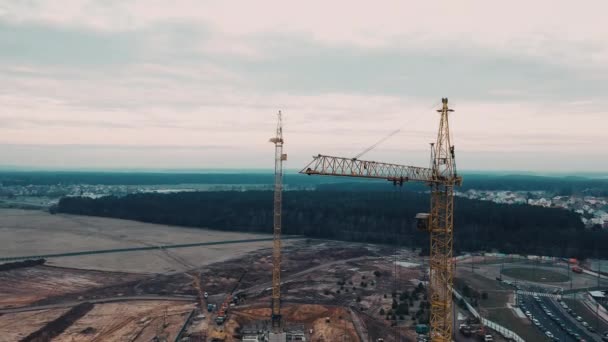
pixel 385 217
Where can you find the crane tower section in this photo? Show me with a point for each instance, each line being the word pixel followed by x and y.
pixel 279 157
pixel 441 229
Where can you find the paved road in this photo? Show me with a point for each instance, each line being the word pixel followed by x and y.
pixel 101 300
pixel 139 248
pixel 359 326
pixel 570 321
pixel 538 313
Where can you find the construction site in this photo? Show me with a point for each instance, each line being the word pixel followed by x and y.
pixel 291 290
pixel 132 281
pixel 294 291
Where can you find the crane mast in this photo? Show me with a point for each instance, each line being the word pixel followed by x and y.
pixel 441 228
pixel 441 176
pixel 279 157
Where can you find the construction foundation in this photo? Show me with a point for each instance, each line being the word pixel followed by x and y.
pixel 277 337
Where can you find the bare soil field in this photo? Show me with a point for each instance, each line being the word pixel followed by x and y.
pixel 129 321
pixel 14 327
pixel 23 286
pixel 32 232
pixel 337 275
pixel 133 321
pixel 339 278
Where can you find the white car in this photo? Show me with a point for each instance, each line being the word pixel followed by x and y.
pixel 549 334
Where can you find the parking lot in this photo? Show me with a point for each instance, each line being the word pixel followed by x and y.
pixel 548 315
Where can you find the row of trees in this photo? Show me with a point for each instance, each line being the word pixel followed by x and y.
pixel 376 217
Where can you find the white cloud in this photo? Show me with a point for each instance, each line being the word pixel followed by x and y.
pixel 557 30
pixel 524 77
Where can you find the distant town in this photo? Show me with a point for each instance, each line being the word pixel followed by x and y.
pixel 592 210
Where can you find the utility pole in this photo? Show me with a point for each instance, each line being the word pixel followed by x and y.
pixel 279 157
pixel 569 274
pixel 597 304
pixel 475 248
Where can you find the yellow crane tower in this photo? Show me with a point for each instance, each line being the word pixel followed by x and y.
pixel 441 176
pixel 279 157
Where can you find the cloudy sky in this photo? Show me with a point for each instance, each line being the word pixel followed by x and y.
pixel 197 84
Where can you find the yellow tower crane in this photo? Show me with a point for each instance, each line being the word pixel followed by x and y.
pixel 441 176
pixel 279 157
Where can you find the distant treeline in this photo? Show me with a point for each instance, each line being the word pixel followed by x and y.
pixel 151 178
pixel 21 264
pixel 556 185
pixel 377 217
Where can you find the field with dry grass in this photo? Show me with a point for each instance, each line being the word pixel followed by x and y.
pixel 32 232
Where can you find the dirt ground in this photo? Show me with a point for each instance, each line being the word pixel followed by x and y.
pixel 23 286
pixel 320 278
pixel 14 327
pixel 132 321
pixel 32 232
pixel 339 275
pixel 327 323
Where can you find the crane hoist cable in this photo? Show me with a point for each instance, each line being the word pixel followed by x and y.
pixel 388 136
pixel 377 143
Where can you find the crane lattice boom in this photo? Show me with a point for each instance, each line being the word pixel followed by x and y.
pixel 276 250
pixel 349 167
pixel 441 177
